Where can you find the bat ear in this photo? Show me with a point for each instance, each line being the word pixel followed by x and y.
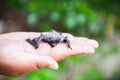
pixel 60 33
pixel 53 30
pixel 41 35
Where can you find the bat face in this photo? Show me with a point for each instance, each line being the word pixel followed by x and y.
pixel 52 38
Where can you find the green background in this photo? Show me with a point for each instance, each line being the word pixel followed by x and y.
pixel 96 19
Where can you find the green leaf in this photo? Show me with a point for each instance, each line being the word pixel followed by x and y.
pixel 91 74
pixel 45 26
pixel 55 16
pixel 32 19
pixel 12 78
pixel 81 19
pixel 71 20
pixel 96 26
pixel 43 74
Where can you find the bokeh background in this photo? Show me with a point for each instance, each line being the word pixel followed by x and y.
pixel 96 19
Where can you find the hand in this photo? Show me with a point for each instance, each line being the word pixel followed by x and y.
pixel 18 57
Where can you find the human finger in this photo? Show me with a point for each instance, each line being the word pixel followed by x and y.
pixel 84 40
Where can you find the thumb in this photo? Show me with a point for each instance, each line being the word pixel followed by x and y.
pixel 46 62
pixel 33 59
pixel 21 63
pixel 38 61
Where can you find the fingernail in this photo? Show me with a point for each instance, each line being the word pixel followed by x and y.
pixel 53 66
pixel 89 49
pixel 94 43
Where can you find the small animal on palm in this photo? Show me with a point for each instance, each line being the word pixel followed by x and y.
pixel 52 38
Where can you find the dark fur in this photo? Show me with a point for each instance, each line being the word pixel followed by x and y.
pixel 52 38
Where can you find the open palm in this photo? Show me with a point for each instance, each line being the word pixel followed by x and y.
pixel 18 57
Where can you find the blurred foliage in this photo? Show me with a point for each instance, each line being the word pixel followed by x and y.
pixel 79 17
pixel 48 75
pixel 91 74
pixel 69 15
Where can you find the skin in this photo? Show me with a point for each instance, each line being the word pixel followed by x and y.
pixel 18 57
